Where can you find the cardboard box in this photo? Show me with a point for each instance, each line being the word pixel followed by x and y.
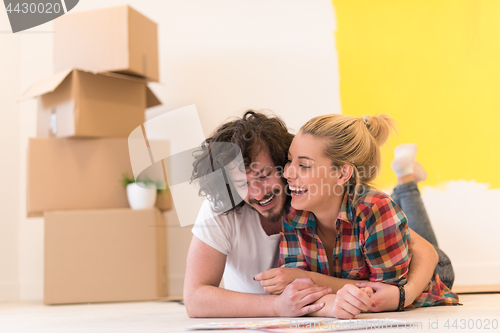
pixel 105 256
pixel 65 174
pixel 76 103
pixel 117 39
pixel 76 174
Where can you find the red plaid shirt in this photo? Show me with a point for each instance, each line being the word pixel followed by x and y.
pixel 373 243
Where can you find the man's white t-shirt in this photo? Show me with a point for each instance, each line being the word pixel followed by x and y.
pixel 239 235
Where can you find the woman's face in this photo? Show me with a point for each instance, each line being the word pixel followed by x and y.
pixel 312 179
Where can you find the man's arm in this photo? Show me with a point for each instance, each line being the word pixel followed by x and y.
pixel 203 297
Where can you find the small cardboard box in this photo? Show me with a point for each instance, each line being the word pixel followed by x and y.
pixel 76 103
pixel 117 39
pixel 105 256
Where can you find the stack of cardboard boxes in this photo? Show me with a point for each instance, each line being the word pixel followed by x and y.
pixel 96 248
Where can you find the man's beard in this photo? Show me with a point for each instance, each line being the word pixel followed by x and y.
pixel 270 216
pixel 275 217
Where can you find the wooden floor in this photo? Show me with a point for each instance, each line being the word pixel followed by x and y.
pixel 146 317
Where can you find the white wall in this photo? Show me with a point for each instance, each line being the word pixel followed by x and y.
pixel 35 59
pixel 224 56
pixel 463 214
pixel 9 162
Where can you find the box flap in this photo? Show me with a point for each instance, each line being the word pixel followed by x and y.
pixel 151 99
pixel 50 84
pixel 46 85
pixel 123 76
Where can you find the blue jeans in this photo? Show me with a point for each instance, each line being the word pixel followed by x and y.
pixel 407 196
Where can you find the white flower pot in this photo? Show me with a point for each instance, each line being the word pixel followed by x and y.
pixel 141 197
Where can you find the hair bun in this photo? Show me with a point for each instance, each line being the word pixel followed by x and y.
pixel 379 126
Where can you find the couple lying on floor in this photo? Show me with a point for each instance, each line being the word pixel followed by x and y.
pixel 311 236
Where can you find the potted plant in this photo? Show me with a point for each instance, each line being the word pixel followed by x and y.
pixel 142 193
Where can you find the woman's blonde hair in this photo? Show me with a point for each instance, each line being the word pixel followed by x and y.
pixel 354 141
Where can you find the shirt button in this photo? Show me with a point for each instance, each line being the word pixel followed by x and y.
pixel 336 257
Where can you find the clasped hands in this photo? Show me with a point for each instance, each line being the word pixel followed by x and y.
pixel 298 295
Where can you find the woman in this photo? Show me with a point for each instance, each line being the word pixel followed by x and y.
pixel 340 226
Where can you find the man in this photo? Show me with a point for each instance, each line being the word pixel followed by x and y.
pixel 242 244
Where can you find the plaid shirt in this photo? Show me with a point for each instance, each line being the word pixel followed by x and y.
pixel 373 243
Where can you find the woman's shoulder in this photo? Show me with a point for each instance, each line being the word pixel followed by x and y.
pixel 371 197
pixel 375 207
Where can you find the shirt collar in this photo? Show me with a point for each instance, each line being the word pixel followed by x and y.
pixel 346 212
pixel 299 219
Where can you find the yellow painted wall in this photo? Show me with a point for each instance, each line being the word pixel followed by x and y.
pixel 435 67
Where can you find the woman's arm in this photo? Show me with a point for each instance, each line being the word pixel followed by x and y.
pixel 275 280
pixel 422 267
pixel 346 304
pixel 423 264
pixel 294 266
pixel 387 249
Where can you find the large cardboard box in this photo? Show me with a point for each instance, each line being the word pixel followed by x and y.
pixel 68 174
pixel 76 103
pixel 65 174
pixel 117 39
pixel 105 256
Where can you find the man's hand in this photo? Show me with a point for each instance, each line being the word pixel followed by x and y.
pixel 275 280
pixel 351 300
pixel 385 296
pixel 296 299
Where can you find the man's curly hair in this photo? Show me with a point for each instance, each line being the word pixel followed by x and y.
pixel 254 130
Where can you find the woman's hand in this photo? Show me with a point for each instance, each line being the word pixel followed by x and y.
pixel 275 280
pixel 351 300
pixel 297 298
pixel 385 296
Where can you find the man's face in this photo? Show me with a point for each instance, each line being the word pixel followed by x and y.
pixel 263 186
